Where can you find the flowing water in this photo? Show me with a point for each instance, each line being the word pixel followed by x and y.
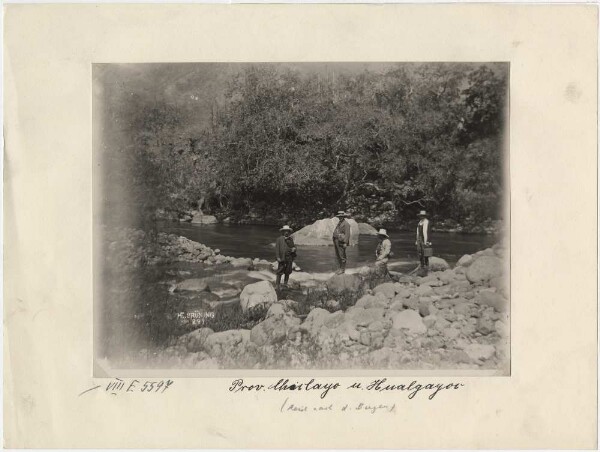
pixel 257 241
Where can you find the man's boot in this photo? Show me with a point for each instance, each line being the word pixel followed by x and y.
pixel 285 281
pixel 278 281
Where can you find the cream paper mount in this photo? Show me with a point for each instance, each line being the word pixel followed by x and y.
pixel 549 399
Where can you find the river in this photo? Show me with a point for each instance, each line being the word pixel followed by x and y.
pixel 257 241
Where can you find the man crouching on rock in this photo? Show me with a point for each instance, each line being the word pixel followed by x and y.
pixel 286 252
pixel 341 239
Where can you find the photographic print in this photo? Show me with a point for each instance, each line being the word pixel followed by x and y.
pixel 301 216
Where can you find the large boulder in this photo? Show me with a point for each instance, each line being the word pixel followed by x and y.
pixel 218 344
pixel 345 281
pixel 256 294
pixel 437 264
pixel 484 268
pixel 320 233
pixel 493 299
pixel 409 320
pixel 389 290
pixel 194 341
pixel 465 261
pixel 479 352
pixel 366 229
pixel 363 317
pixel 274 329
pixel 315 320
pixel 200 218
pixel 282 307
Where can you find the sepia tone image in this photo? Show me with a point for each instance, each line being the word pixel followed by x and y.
pixel 301 216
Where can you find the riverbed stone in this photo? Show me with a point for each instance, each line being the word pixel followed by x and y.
pixel 485 325
pixel 409 320
pixel 489 298
pixel 430 321
pixel 274 329
pixel 256 294
pixel 480 351
pixel 447 276
pixel 424 308
pixel 387 289
pixel 426 279
pixel 364 317
pixel 366 301
pixel 451 333
pixel 424 290
pixel 484 268
pixel 194 341
pixel 315 320
pixel 437 264
pixel 345 281
pixel 465 261
pixel 219 343
pixel 441 323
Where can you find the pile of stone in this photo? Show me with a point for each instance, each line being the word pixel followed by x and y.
pixel 455 318
pixel 132 248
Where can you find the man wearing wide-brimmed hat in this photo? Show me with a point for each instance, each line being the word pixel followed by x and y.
pixel 423 239
pixel 384 248
pixel 383 253
pixel 286 252
pixel 341 239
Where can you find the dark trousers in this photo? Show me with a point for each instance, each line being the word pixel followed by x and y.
pixel 422 258
pixel 340 254
pixel 284 268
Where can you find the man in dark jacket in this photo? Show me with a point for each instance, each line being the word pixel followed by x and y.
pixel 286 252
pixel 341 239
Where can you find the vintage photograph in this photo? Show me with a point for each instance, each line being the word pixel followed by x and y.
pixel 301 216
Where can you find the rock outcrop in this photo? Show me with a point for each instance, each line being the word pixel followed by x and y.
pixel 320 233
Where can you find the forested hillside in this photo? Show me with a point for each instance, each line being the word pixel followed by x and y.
pixel 287 143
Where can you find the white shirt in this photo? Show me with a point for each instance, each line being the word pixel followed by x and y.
pixel 425 223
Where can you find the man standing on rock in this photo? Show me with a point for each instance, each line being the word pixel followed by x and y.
pixel 423 241
pixel 286 252
pixel 341 239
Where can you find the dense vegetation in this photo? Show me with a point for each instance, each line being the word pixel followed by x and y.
pixel 272 143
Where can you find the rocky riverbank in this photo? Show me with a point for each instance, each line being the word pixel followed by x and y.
pixel 452 319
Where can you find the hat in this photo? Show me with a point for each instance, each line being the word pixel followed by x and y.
pixel 286 228
pixel 341 213
pixel 383 232
pixel 422 213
